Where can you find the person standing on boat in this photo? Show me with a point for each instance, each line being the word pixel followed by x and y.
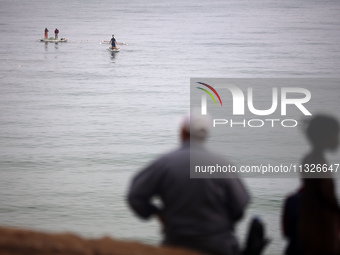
pixel 113 42
pixel 46 33
pixel 56 32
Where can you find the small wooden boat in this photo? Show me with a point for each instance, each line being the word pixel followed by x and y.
pixel 113 50
pixel 52 39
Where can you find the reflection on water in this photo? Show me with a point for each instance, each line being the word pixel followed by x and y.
pixel 77 123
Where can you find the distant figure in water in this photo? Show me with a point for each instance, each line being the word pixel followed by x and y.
pixel 314 212
pixel 46 33
pixel 56 32
pixel 113 42
pixel 196 213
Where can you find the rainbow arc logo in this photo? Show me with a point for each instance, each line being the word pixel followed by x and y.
pixel 209 93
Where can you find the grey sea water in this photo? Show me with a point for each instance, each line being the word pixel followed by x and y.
pixel 76 122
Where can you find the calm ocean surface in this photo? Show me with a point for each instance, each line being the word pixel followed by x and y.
pixel 76 122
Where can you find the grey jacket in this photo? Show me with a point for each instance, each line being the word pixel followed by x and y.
pixel 193 209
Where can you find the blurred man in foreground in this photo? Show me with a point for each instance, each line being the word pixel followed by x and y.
pixel 198 214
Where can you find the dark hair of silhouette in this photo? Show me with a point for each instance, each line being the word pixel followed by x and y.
pixel 321 127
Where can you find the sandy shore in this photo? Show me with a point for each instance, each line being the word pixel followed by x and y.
pixel 18 241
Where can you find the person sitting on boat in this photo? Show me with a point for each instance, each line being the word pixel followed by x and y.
pixel 113 42
pixel 46 33
pixel 56 32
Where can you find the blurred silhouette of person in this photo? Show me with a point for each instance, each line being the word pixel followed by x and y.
pixel 319 213
pixel 198 213
pixel 46 33
pixel 56 33
pixel 290 217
